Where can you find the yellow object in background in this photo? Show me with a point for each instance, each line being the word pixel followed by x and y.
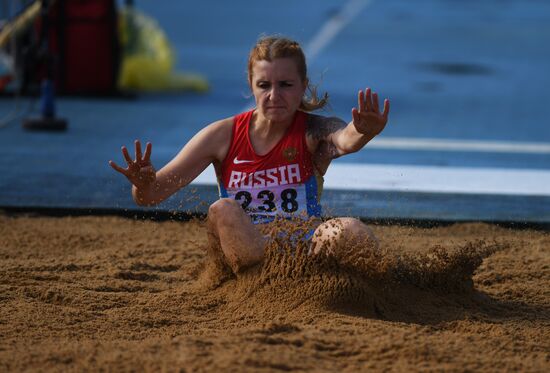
pixel 148 59
pixel 20 23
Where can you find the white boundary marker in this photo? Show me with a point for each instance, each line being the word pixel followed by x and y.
pixel 432 179
pixel 402 143
pixel 428 179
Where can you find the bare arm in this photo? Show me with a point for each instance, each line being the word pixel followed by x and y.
pixel 150 187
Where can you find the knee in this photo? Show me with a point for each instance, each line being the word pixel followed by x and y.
pixel 350 227
pixel 355 230
pixel 339 233
pixel 223 204
pixel 344 227
pixel 222 210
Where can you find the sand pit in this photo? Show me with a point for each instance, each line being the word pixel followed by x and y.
pixel 110 293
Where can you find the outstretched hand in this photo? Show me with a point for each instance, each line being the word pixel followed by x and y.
pixel 140 171
pixel 367 118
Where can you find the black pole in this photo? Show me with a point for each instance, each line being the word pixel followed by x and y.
pixel 48 120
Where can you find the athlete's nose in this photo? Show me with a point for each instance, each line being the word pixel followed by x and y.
pixel 274 93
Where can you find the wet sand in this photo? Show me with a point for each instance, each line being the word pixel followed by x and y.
pixel 115 294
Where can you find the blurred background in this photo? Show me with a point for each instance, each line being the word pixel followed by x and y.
pixel 468 138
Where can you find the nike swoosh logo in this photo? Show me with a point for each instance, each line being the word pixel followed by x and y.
pixel 239 161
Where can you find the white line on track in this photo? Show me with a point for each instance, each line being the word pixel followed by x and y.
pixel 401 143
pixel 428 179
pixel 333 26
pixel 433 179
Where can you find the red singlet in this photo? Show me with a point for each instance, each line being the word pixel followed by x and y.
pixel 280 183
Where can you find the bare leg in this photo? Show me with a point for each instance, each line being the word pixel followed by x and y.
pixel 232 231
pixel 335 235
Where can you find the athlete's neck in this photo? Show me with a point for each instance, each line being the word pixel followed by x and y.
pixel 264 134
pixel 265 128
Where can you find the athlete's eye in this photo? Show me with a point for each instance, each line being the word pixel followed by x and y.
pixel 285 84
pixel 263 85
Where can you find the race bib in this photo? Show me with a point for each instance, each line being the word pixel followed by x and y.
pixel 281 200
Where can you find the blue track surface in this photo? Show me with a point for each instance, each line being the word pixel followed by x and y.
pixel 453 71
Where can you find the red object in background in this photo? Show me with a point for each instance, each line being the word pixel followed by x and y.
pixel 83 41
pixel 4 81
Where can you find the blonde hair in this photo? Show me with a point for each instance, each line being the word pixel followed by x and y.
pixel 269 48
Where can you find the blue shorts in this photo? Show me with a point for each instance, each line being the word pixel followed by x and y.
pixel 289 233
pixel 299 235
pixel 292 239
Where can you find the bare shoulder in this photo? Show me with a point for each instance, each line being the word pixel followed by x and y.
pixel 221 128
pixel 215 138
pixel 216 133
pixel 320 127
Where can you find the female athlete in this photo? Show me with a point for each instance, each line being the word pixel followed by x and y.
pixel 269 161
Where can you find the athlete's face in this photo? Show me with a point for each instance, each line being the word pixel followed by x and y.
pixel 277 88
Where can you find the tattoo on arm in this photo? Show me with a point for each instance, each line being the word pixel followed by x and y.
pixel 327 150
pixel 319 128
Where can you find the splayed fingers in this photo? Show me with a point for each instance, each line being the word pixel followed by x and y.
pixel 147 155
pixel 367 117
pixel 368 102
pixel 138 167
